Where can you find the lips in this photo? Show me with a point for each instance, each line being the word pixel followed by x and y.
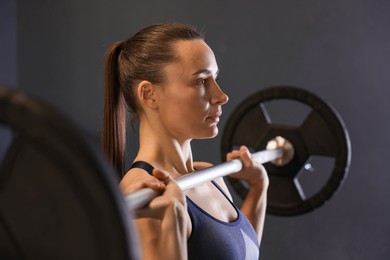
pixel 215 116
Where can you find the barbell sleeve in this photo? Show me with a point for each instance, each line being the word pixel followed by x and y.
pixel 142 197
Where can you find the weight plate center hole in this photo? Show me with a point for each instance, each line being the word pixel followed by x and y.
pixel 280 142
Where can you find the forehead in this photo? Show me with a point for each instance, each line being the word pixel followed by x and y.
pixel 194 55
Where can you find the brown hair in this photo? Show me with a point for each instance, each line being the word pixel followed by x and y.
pixel 141 57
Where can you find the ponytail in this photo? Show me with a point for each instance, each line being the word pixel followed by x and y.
pixel 114 114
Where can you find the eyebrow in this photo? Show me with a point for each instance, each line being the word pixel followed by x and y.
pixel 204 71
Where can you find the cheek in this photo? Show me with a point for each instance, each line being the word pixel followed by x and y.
pixel 194 108
pixel 187 112
pixel 189 102
pixel 185 105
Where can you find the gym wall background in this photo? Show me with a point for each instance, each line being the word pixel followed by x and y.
pixel 339 50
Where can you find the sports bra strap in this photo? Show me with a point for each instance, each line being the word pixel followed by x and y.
pixel 143 165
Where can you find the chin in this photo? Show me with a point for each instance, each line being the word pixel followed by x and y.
pixel 215 133
pixel 209 134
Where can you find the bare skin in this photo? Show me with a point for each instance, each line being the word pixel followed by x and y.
pixel 167 212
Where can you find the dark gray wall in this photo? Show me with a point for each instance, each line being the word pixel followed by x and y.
pixel 8 50
pixel 339 50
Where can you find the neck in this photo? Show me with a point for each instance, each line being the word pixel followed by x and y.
pixel 164 151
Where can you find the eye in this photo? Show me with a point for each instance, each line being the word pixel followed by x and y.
pixel 205 81
pixel 202 81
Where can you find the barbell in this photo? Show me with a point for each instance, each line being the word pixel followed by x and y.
pixel 290 149
pixel 141 198
pixel 53 173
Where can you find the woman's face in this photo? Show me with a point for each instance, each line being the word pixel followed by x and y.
pixel 190 99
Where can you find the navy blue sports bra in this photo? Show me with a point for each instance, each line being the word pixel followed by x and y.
pixel 214 239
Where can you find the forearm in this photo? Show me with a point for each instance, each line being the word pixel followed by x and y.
pixel 173 238
pixel 170 243
pixel 254 207
pixel 163 239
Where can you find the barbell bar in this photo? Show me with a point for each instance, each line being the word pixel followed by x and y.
pixel 141 198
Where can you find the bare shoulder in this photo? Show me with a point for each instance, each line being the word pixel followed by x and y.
pixel 220 181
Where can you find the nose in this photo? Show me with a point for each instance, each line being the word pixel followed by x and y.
pixel 218 96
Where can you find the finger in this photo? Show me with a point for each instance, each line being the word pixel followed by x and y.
pixel 246 156
pixel 229 157
pixel 233 155
pixel 161 175
pixel 150 183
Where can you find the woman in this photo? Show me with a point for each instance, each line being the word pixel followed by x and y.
pixel 166 75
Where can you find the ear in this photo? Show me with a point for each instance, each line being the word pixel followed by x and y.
pixel 147 94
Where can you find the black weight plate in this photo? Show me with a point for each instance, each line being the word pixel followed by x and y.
pixel 322 133
pixel 58 197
